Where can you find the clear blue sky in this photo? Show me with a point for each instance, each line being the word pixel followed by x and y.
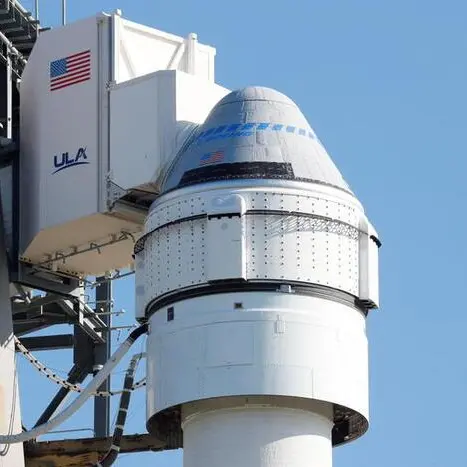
pixel 384 86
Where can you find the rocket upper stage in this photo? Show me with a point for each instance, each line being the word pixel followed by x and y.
pixel 254 133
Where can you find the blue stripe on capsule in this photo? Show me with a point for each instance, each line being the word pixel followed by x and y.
pixel 248 126
pixel 247 129
pixel 234 127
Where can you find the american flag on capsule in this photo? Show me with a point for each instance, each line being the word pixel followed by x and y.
pixel 70 70
pixel 211 157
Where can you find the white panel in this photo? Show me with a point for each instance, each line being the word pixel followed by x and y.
pixel 63 171
pixel 221 353
pixel 140 50
pixel 369 269
pixel 148 116
pixel 196 96
pixel 319 350
pixel 303 249
pixel 226 248
pixel 175 257
pixel 63 243
pixel 65 110
pixel 49 137
pixel 225 238
pixel 176 348
pixel 135 146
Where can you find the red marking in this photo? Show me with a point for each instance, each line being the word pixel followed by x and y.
pixel 78 54
pixel 69 76
pixel 76 80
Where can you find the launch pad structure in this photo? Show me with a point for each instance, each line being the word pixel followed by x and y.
pixel 255 264
pixel 59 301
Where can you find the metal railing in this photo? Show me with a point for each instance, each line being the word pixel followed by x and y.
pixel 64 10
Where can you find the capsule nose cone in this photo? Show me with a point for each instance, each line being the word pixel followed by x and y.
pixel 256 93
pixel 254 133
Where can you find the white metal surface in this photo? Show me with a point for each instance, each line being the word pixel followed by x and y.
pixel 321 246
pixel 257 436
pixel 140 50
pixel 49 131
pixel 144 137
pixel 10 413
pixel 86 145
pixel 281 344
pixel 225 239
pixel 369 284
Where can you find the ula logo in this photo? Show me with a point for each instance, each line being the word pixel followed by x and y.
pixel 65 160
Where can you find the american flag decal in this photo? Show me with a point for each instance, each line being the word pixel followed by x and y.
pixel 70 70
pixel 211 157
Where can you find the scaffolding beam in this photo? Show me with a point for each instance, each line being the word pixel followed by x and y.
pixel 102 353
pixel 77 452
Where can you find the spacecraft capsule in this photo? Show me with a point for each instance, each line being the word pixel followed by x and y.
pixel 256 272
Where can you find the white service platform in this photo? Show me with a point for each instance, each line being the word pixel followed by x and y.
pixel 92 151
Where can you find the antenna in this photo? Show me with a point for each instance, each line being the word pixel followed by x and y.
pixel 63 12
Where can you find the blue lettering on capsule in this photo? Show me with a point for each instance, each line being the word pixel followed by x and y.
pixel 242 130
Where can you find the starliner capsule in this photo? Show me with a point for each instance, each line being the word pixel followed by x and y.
pixel 256 273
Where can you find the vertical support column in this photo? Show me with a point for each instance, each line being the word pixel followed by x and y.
pixel 10 415
pixel 192 50
pixel 9 96
pixel 102 353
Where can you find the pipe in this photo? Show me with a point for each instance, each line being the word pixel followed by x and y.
pixel 112 454
pixel 192 50
pixel 63 12
pixel 83 397
pixel 9 98
pixel 12 48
